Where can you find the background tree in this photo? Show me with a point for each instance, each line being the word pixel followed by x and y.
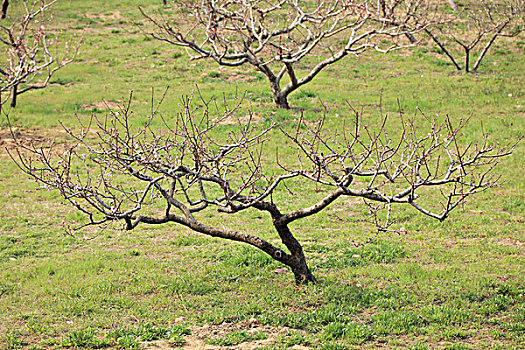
pixel 29 54
pixel 478 23
pixel 276 37
pixel 139 175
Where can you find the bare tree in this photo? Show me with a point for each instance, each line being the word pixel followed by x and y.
pixel 139 175
pixel 277 36
pixel 29 54
pixel 478 23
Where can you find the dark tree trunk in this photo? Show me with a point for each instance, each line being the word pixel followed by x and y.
pixel 281 100
pixel 301 270
pixel 15 94
pixel 5 3
pixel 297 260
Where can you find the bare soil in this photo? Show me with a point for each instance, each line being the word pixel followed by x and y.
pixel 243 120
pixel 196 341
pixel 112 15
pixel 102 105
pixel 9 138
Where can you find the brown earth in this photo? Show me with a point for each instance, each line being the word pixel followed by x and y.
pixel 112 15
pixel 196 341
pixel 103 105
pixel 27 137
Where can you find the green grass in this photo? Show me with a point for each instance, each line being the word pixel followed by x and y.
pixel 124 338
pixel 459 284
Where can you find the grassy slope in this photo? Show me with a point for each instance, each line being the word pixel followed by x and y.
pixel 457 285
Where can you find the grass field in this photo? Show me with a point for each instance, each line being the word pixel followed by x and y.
pixel 457 285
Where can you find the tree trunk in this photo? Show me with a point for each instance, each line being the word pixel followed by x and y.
pixel 300 269
pixel 5 3
pixel 15 94
pixel 297 260
pixel 281 100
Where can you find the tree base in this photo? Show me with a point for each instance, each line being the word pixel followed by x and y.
pixel 304 278
pixel 281 102
pixel 302 272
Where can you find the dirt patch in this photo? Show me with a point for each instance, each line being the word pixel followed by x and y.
pixel 11 140
pixel 253 119
pixel 226 74
pixel 110 15
pixel 240 78
pixel 102 106
pixel 509 242
pixel 196 341
pixel 26 137
pixel 111 105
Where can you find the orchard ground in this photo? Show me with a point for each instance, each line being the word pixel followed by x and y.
pixel 459 284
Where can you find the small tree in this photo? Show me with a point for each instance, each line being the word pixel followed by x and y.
pixel 139 175
pixel 276 37
pixel 29 55
pixel 478 23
